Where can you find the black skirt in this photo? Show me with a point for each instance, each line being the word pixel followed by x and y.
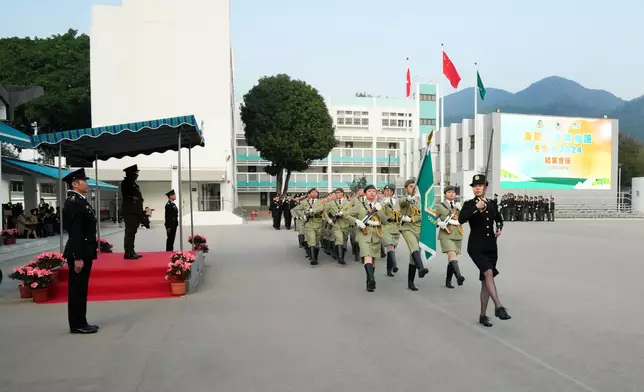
pixel 485 258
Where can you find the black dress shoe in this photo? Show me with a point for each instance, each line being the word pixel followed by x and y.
pixel 448 284
pixel 138 256
pixel 93 326
pixel 485 321
pixel 84 330
pixel 129 256
pixel 502 313
pixel 460 280
pixel 389 273
pixel 371 285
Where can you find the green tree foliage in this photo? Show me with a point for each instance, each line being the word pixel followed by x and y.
pixel 631 159
pixel 358 182
pixel 60 64
pixel 288 122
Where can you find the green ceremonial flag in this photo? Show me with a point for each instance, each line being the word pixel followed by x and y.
pixel 480 85
pixel 425 184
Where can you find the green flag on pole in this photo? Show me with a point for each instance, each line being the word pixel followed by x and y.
pixel 480 85
pixel 425 184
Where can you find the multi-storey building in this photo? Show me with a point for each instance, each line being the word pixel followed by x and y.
pixel 378 138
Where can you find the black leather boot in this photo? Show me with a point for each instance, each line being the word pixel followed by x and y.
pixel 457 271
pixel 382 251
pixel 389 265
pixel 334 253
pixel 394 263
pixel 356 253
pixel 340 252
pixel 422 271
pixel 450 274
pixel 300 240
pixel 307 249
pixel 316 252
pixel 411 275
pixel 371 280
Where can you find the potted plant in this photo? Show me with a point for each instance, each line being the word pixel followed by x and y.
pixel 10 236
pixel 178 271
pixel 40 280
pixel 105 246
pixel 199 242
pixel 52 261
pixel 21 274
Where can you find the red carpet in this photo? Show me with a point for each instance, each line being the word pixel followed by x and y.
pixel 116 279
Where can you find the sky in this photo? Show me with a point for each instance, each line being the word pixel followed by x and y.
pixel 346 46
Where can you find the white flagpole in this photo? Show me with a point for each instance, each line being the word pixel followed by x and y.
pixel 476 98
pixel 442 137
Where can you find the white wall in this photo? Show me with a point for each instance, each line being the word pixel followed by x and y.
pixel 637 193
pixel 248 199
pixel 3 111
pixel 166 58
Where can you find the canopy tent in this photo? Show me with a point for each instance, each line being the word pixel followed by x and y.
pixel 117 141
pixel 33 168
pixel 13 136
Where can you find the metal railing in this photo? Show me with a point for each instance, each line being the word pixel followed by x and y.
pixel 210 203
pixel 308 180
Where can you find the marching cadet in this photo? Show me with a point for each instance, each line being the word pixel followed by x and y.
pixel 450 234
pixel 298 213
pixel 519 216
pixel 327 233
pixel 357 197
pixel 276 211
pixel 368 215
pixel 541 209
pixel 391 230
pixel 513 208
pixel 79 219
pixel 132 210
pixel 482 213
pixel 505 207
pixel 341 223
pixel 287 205
pixel 313 210
pixel 410 230
pixel 171 220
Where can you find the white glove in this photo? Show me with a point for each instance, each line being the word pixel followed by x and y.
pixel 405 218
pixel 442 224
pixel 410 198
pixel 377 206
pixel 330 221
pixel 360 224
pixel 386 200
pixel 373 223
pixel 453 222
pixel 457 205
pixel 309 212
pixel 339 214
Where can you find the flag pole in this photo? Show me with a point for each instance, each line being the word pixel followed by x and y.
pixel 441 124
pixel 476 99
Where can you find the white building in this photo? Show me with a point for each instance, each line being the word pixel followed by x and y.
pixel 154 59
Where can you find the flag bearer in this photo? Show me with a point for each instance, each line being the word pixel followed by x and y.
pixel 357 198
pixel 450 234
pixel 410 230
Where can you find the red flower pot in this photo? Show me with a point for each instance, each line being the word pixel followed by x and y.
pixel 9 240
pixel 25 291
pixel 178 287
pixel 40 295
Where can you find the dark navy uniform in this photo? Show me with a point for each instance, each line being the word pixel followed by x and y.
pixel 132 210
pixel 276 212
pixel 79 219
pixel 481 245
pixel 287 205
pixel 171 222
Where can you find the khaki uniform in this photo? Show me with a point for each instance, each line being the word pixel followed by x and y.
pixel 391 232
pixel 411 230
pixel 452 238
pixel 369 243
pixel 298 213
pixel 313 209
pixel 342 224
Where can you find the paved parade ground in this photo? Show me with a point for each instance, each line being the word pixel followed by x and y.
pixel 264 320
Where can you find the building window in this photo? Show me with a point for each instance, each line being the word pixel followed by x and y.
pixel 16 186
pixel 384 170
pixel 409 123
pixel 385 114
pixel 392 123
pixel 340 112
pixel 348 121
pixel 365 121
pixel 385 122
pixel 252 169
pixel 401 123
pixel 340 121
pixel 460 145
pixel 438 148
pixel 365 113
pixel 427 121
pixel 324 169
pixel 427 97
pixel 392 114
pixel 393 146
pixel 356 114
pixel 348 112
pixel 49 189
pixel 401 114
pixel 471 142
pixel 348 144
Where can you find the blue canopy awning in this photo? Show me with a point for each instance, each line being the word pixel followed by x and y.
pixel 13 136
pixel 118 141
pixel 51 172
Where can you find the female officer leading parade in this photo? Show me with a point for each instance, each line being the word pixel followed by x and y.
pixel 369 232
pixel 482 213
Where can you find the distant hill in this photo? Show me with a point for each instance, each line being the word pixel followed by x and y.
pixel 551 96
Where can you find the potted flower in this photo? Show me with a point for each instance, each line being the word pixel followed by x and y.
pixel 10 236
pixel 40 280
pixel 52 261
pixel 199 243
pixel 21 274
pixel 105 246
pixel 179 269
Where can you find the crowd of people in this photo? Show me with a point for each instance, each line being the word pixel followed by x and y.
pixel 40 222
pixel 372 221
pixel 527 208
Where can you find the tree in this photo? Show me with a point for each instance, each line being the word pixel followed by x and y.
pixel 10 151
pixel 288 122
pixel 60 64
pixel 358 182
pixel 631 159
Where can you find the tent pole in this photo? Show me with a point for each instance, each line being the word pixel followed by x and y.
pixel 180 198
pixel 60 193
pixel 98 202
pixel 192 224
pixel 117 208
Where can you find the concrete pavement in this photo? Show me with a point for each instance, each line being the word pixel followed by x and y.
pixel 264 320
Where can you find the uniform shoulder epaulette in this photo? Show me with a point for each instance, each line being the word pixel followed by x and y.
pixel 71 197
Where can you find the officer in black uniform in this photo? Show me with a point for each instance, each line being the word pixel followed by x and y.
pixel 483 213
pixel 276 211
pixel 171 220
pixel 79 219
pixel 132 210
pixel 287 204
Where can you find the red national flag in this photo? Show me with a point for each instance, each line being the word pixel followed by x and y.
pixel 408 82
pixel 450 71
